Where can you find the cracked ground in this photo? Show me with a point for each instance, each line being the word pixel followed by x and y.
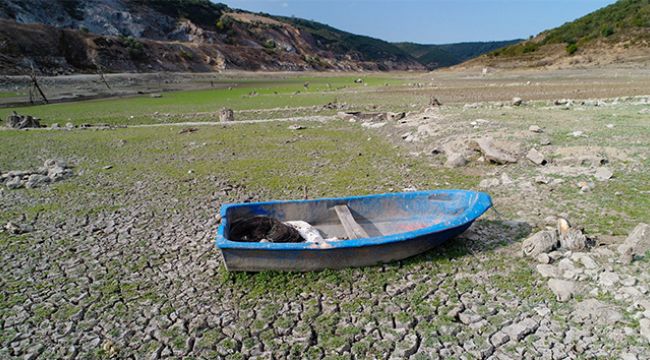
pixel 118 261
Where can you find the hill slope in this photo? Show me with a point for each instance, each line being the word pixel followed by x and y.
pixel 63 36
pixel 436 56
pixel 616 33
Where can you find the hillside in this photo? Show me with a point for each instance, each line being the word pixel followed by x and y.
pixel 617 33
pixel 436 56
pixel 66 36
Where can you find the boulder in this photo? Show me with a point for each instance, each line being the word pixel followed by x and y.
pixel 16 121
pixel 573 239
pixel 226 115
pixel 455 160
pixel 541 242
pixel 517 101
pixel 644 328
pixel 493 153
pixel 563 289
pixel 638 242
pixel 603 174
pixel 536 157
pixel 535 129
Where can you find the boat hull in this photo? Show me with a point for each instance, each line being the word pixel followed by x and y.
pixel 338 258
pixel 389 227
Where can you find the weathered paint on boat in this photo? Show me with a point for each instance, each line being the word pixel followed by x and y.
pixel 399 225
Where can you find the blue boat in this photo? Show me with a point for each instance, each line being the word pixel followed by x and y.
pixel 377 228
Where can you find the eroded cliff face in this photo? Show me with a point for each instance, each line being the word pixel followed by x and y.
pixel 60 37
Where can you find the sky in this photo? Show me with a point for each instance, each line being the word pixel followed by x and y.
pixel 431 21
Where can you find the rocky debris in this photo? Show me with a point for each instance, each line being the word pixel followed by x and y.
pixel 455 160
pixel 563 289
pixel 548 271
pixel 499 338
pixel 608 278
pixel 16 121
pixel 491 152
pixel 603 174
pixel 392 116
pixel 541 242
pixel 489 183
pixel 536 157
pixel 517 101
pixel 637 243
pixel 51 171
pixel 366 116
pixel 226 115
pixel 535 129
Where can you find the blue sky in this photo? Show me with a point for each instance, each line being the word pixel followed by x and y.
pixel 432 21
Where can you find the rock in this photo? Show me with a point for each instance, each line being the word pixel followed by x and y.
pixel 586 260
pixel 69 126
pixel 603 174
pixel 16 121
pixel 518 331
pixel 608 278
pixel 395 116
pixel 573 239
pixel 597 312
pixel 577 133
pixel 455 160
pixel 55 126
pixel 563 289
pixel 536 157
pixel 36 180
pixel 644 328
pixel 17 229
pixel 637 243
pixel 14 183
pixel 226 115
pixel 58 173
pixel 492 153
pixel 517 101
pixel 545 141
pixel 543 258
pixel 541 242
pixel 155 96
pixel 358 81
pixel 535 129
pixel 548 271
pixel 296 127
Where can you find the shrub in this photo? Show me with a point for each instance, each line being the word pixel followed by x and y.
pixel 607 31
pixel 571 48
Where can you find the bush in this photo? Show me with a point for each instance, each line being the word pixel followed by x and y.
pixel 269 44
pixel 607 31
pixel 134 47
pixel 571 49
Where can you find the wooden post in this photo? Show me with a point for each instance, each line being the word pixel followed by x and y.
pixel 35 83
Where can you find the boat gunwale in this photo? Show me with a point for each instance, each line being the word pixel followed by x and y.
pixel 479 205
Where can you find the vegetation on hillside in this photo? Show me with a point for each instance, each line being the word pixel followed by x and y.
pixel 623 20
pixel 435 56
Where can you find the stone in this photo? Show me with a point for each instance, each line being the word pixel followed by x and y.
pixel 536 157
pixel 573 239
pixel 644 328
pixel 518 331
pixel 296 127
pixel 455 160
pixel 548 271
pixel 226 115
pixel 603 174
pixel 16 121
pixel 535 129
pixel 608 278
pixel 155 96
pixel 14 183
pixel 517 101
pixel 563 289
pixel 543 258
pixel 586 260
pixel 17 229
pixel 598 312
pixel 36 180
pixel 492 153
pixel 541 242
pixel 637 243
pixel 69 126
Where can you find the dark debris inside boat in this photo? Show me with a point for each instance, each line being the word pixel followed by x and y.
pixel 263 228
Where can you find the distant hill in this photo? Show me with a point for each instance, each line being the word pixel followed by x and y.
pixel 616 33
pixel 66 36
pixel 435 56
